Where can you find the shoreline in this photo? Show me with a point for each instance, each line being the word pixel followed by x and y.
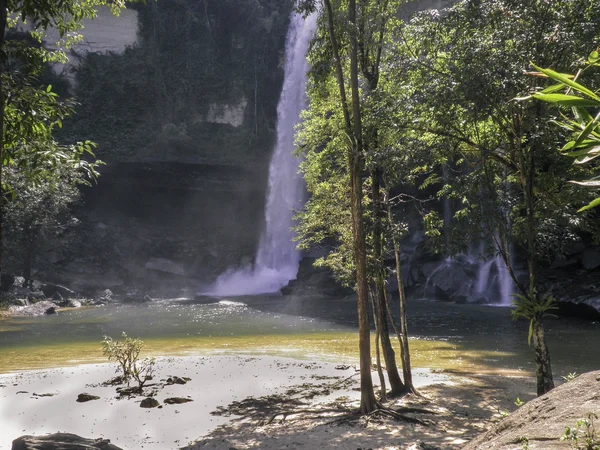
pixel 214 420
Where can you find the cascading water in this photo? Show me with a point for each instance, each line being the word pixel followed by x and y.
pixel 277 258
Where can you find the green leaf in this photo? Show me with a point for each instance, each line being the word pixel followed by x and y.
pixel 553 88
pixel 566 80
pixel 593 204
pixel 588 183
pixel 594 57
pixel 587 158
pixel 582 116
pixel 566 100
pixel 587 130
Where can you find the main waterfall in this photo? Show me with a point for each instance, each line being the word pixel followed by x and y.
pixel 277 258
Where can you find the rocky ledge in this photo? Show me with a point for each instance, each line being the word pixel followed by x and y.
pixel 540 423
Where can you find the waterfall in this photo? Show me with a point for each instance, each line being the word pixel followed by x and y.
pixel 277 258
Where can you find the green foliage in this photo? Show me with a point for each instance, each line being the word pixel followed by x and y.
pixel 127 353
pixel 584 145
pixel 531 307
pixel 39 215
pixel 570 377
pixel 583 436
pixel 519 402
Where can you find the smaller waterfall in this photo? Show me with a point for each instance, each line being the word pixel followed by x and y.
pixel 493 275
pixel 277 258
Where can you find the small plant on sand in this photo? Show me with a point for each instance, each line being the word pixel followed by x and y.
pixel 519 402
pixel 583 436
pixel 126 353
pixel 524 441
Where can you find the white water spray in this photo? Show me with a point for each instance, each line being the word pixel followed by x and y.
pixel 277 258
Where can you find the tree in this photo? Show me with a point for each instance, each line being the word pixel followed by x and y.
pixel 341 23
pixel 29 112
pixel 455 81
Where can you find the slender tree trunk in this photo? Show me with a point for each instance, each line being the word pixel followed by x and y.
pixel 3 58
pixel 367 403
pixel 403 337
pixel 396 385
pixel 383 389
pixel 545 383
pixel 527 174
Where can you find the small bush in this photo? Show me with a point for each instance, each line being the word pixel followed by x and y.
pixel 126 353
pixel 583 436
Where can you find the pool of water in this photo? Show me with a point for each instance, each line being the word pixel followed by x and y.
pixel 447 336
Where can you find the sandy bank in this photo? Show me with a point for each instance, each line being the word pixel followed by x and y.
pixel 217 383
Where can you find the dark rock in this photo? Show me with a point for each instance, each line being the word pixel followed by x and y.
pixel 137 298
pixel 61 441
pixel 6 282
pixel 149 402
pixel 36 296
pixel 82 398
pixel 591 258
pixel 72 303
pixel 177 400
pixel 177 380
pixel 543 420
pixel 312 280
pixel 50 290
pixel 38 309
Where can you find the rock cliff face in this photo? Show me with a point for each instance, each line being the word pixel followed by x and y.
pixel 539 424
pixel 181 99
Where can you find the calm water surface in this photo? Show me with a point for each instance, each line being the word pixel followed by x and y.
pixel 445 335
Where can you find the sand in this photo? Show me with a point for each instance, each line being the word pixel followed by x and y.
pixel 263 387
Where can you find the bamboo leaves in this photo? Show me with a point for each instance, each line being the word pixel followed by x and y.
pixel 585 128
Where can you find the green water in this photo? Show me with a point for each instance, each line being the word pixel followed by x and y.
pixel 446 336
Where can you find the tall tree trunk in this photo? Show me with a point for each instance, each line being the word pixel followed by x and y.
pixel 396 385
pixel 403 336
pixel 367 403
pixel 545 383
pixel 3 59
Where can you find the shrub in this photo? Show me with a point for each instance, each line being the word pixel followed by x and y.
pixel 127 353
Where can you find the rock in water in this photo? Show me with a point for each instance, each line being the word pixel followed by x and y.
pixel 542 421
pixel 61 441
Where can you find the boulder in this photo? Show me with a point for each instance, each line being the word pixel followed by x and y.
pixel 37 309
pixel 82 398
pixel 177 400
pixel 137 298
pixel 71 303
pixel 542 422
pixel 591 258
pixel 6 282
pixel 36 296
pixel 149 402
pixel 61 441
pixel 56 290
